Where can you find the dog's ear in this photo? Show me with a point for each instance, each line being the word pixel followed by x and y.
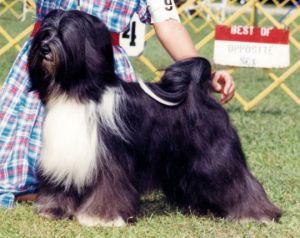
pixel 98 49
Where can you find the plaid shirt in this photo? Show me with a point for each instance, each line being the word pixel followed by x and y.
pixel 21 112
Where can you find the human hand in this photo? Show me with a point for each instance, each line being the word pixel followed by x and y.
pixel 222 83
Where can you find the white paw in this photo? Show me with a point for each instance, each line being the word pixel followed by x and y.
pixel 45 215
pixel 87 220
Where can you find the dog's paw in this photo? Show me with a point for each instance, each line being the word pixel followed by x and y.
pixel 53 213
pixel 91 221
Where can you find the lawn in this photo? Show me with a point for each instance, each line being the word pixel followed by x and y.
pixel 270 136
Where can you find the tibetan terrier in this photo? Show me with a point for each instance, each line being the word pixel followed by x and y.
pixel 105 142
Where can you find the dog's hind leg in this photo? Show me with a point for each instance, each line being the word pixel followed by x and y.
pixel 112 201
pixel 247 199
pixel 227 189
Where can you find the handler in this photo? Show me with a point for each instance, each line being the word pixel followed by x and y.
pixel 21 111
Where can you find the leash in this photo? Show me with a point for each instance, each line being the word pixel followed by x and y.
pixel 150 93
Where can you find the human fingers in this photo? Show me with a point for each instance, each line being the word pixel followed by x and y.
pixel 227 82
pixel 227 97
pixel 217 83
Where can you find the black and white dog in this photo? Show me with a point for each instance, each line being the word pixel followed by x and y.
pixel 105 141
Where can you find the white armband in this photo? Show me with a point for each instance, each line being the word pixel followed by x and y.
pixel 162 10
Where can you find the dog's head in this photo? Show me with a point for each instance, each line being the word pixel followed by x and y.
pixel 71 54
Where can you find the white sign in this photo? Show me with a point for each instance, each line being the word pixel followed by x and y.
pixel 133 39
pixel 249 46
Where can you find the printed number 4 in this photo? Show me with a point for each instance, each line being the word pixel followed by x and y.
pixel 169 5
pixel 130 33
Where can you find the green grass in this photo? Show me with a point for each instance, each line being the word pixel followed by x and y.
pixel 270 136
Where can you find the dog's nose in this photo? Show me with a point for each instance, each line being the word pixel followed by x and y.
pixel 45 49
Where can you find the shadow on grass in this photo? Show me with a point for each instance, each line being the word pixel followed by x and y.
pixel 155 204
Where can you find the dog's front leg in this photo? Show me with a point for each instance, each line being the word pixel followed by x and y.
pixel 113 200
pixel 56 204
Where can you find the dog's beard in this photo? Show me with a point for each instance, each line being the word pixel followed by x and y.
pixel 44 68
pixel 73 57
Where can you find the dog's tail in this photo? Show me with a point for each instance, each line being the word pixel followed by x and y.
pixel 183 76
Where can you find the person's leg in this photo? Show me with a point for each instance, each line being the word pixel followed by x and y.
pixel 21 115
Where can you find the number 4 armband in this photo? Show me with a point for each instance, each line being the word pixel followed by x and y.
pixel 162 10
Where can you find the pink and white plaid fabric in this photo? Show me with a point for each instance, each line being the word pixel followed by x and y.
pixel 21 112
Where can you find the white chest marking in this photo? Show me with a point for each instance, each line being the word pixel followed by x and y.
pixel 69 142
